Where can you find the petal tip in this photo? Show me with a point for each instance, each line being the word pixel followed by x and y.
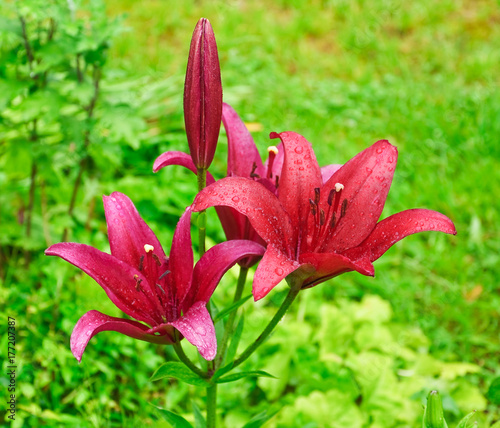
pixel 274 135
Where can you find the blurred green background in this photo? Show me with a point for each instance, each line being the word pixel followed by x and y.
pixel 96 94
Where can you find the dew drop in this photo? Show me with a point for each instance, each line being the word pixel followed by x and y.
pixel 236 199
pixel 369 170
pixel 380 150
pixel 299 150
pixel 279 271
pixel 390 160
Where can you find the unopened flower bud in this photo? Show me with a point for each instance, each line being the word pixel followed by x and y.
pixel 434 417
pixel 203 95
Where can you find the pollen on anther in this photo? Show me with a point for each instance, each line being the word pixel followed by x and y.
pixel 338 187
pixel 273 149
pixel 148 248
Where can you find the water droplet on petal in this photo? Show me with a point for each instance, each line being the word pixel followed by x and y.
pixel 299 150
pixel 236 199
pixel 279 271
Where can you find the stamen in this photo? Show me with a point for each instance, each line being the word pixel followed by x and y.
pixel 273 151
pixel 148 248
pixel 316 195
pixel 141 261
pixel 313 207
pixel 277 181
pixel 343 209
pixel 158 285
pixel 333 221
pixel 164 274
pixel 339 187
pixel 157 259
pixel 330 197
pixel 137 282
pixel 252 174
pixel 321 217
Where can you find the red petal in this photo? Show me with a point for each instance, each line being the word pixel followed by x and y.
pixel 242 152
pixel 272 269
pixel 329 265
pixel 114 276
pixel 366 178
pixel 398 226
pixel 94 322
pixel 328 170
pixel 203 95
pixel 198 328
pixel 178 158
pixel 300 175
pixel 252 199
pixel 128 234
pixel 215 263
pixel 181 258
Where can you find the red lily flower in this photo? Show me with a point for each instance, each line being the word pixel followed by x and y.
pixel 243 161
pixel 317 230
pixel 141 281
pixel 203 95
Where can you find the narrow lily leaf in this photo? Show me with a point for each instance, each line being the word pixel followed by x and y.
pixel 178 371
pixel 235 341
pixel 260 419
pixel 199 420
pixel 222 371
pixel 464 423
pixel 237 376
pixel 231 308
pixel 174 419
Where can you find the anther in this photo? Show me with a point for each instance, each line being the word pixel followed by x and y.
pixel 343 209
pixel 164 274
pixel 273 151
pixel 313 207
pixel 157 259
pixel 321 217
pixel 141 261
pixel 333 221
pixel 339 187
pixel 137 282
pixel 316 195
pixel 330 197
pixel 252 174
pixel 158 285
pixel 277 181
pixel 148 248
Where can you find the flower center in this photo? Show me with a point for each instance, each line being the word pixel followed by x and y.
pixel 325 223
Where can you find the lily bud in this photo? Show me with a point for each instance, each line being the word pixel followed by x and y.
pixel 434 417
pixel 203 95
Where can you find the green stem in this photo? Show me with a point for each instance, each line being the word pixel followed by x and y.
pixel 232 316
pixel 292 294
pixel 202 183
pixel 185 359
pixel 211 406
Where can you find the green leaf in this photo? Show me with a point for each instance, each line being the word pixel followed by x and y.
pixel 260 419
pixel 464 423
pixel 237 376
pixel 222 371
pixel 494 391
pixel 199 420
pixel 175 420
pixel 231 308
pixel 178 371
